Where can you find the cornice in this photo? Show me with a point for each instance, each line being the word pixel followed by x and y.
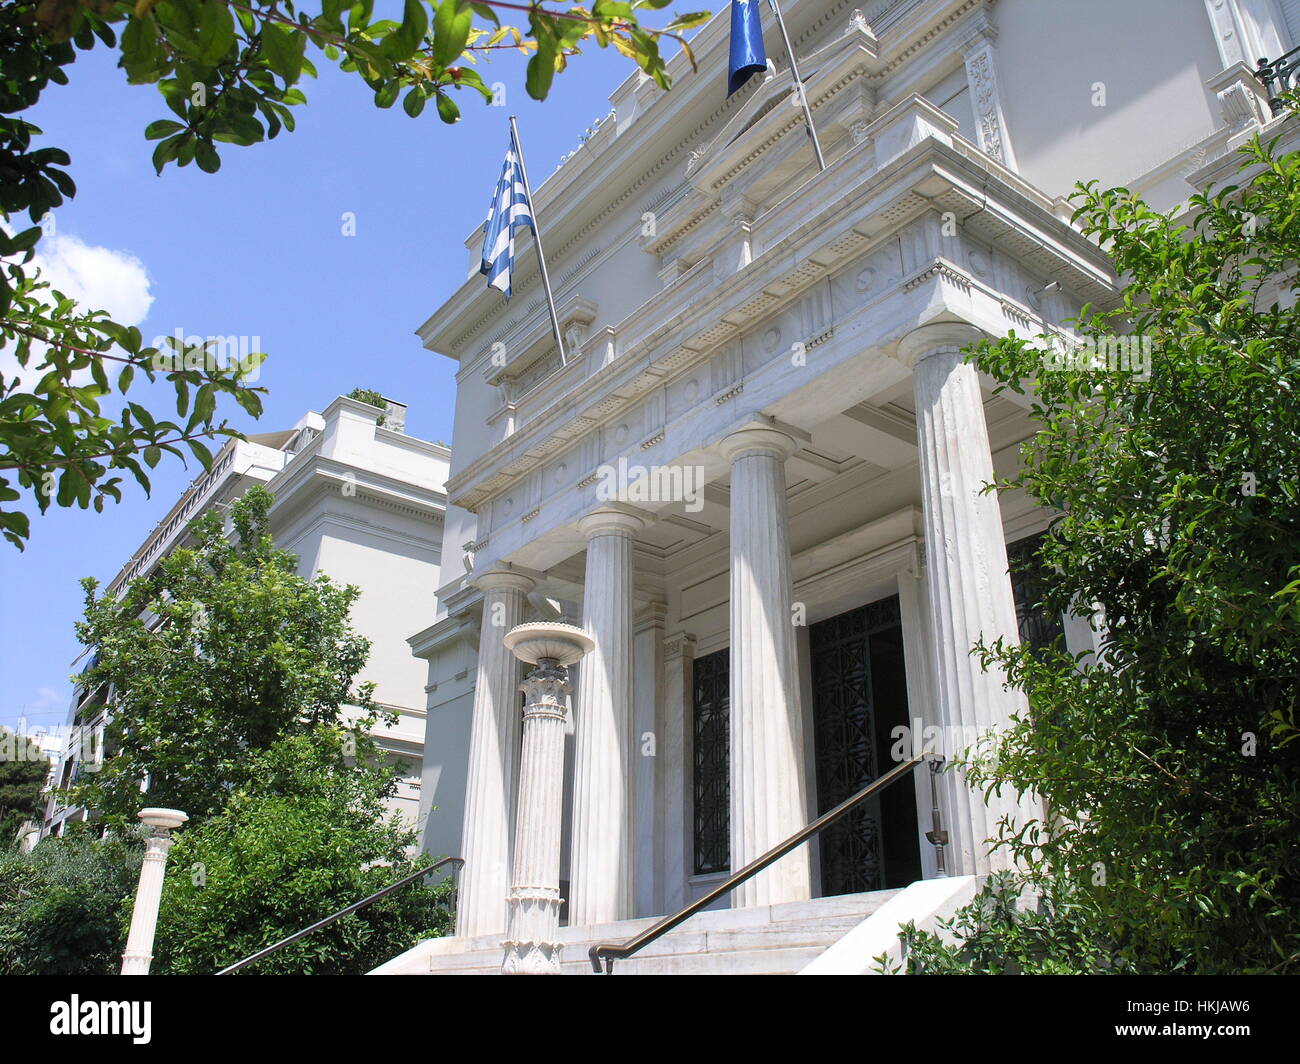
pixel 686 331
pixel 297 486
pixel 464 316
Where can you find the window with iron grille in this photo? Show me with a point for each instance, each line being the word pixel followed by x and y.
pixel 1038 625
pixel 712 731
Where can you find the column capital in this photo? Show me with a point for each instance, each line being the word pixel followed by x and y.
pixel 979 32
pixel 759 439
pixel 501 577
pixel 614 517
pixel 679 645
pixel 935 339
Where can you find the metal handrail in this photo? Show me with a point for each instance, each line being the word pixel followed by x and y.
pixel 1281 71
pixel 610 951
pixel 457 861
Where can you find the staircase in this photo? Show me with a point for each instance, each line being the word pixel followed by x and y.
pixel 764 940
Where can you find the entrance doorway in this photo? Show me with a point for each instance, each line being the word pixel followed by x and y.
pixel 859 694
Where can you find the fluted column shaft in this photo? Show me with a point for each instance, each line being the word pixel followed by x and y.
pixel 768 791
pixel 493 754
pixel 138 955
pixel 969 590
pixel 532 946
pixel 601 869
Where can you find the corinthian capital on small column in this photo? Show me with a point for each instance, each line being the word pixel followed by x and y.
pixel 493 755
pixel 148 892
pixel 532 945
pixel 768 790
pixel 601 874
pixel 969 590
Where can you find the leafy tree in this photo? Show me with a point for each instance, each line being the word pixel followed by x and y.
pixel 24 769
pixel 308 835
pixel 1168 768
pixel 62 905
pixel 221 653
pixel 229 72
pixel 1007 930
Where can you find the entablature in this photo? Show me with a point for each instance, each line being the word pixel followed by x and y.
pixel 837 217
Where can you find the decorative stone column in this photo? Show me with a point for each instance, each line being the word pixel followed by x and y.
pixel 969 590
pixel 493 756
pixel 148 893
pixel 601 871
pixel 532 944
pixel 768 791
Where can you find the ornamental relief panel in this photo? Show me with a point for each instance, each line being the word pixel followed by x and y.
pixel 865 280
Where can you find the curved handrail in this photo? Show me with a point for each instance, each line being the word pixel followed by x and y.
pixel 609 952
pixel 267 951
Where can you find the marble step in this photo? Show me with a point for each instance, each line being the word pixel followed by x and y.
pixel 685 947
pixel 777 939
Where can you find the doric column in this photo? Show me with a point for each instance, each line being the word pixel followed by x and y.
pixel 969 590
pixel 768 792
pixel 148 893
pixel 493 753
pixel 600 865
pixel 532 944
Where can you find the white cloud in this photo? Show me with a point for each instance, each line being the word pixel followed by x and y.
pixel 98 278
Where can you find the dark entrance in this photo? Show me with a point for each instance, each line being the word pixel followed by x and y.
pixel 859 688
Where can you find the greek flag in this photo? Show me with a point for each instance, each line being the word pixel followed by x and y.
pixel 510 209
pixel 748 57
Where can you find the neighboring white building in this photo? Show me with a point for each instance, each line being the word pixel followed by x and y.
pixel 360 502
pixel 816 556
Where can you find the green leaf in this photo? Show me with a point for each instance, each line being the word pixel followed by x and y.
pixel 451 28
pixel 206 156
pixel 216 32
pixel 284 50
pixel 541 70
pixel 447 109
pixel 414 102
pixel 168 150
pixel 163 127
pixel 403 42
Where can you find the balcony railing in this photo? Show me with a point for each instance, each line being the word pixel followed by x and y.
pixel 1279 76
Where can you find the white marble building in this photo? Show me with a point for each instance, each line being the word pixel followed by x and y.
pixel 359 501
pixel 790 338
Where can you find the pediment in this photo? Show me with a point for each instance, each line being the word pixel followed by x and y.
pixel 764 118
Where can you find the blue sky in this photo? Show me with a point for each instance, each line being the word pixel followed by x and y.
pixel 257 249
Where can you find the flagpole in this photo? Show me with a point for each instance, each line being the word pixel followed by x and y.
pixel 798 85
pixel 537 241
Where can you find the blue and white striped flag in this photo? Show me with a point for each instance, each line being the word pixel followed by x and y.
pixel 510 209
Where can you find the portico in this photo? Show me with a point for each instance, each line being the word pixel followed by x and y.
pixel 794 535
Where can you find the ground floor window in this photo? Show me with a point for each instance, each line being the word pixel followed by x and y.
pixel 1038 625
pixel 712 777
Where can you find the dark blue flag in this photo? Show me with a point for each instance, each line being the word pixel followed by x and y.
pixel 747 54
